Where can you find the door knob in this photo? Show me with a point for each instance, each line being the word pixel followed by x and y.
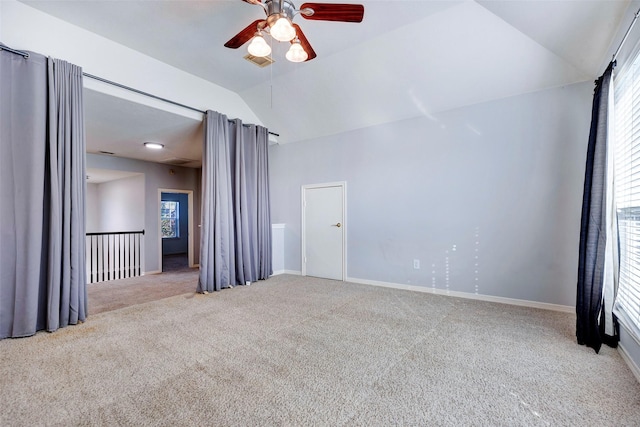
pixel 338 225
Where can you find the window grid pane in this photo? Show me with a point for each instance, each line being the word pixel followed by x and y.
pixel 169 219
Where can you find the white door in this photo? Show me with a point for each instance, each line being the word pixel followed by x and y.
pixel 324 231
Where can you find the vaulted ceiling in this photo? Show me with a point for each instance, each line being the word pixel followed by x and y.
pixel 406 59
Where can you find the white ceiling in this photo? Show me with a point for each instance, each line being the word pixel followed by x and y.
pixel 407 58
pixel 121 127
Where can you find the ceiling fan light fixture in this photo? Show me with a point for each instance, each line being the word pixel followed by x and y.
pixel 282 30
pixel 296 53
pixel 259 47
pixel 280 26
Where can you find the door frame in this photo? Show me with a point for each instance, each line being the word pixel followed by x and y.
pixel 190 248
pixel 304 188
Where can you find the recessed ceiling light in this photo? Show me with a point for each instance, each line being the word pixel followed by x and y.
pixel 154 145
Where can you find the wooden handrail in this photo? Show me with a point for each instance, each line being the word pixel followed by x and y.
pixel 115 232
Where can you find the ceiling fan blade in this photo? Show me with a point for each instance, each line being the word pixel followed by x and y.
pixel 244 36
pixel 252 1
pixel 333 12
pixel 305 43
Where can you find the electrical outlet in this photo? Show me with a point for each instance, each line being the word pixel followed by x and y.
pixel 416 264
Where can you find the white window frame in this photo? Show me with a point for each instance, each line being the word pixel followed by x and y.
pixel 626 148
pixel 176 219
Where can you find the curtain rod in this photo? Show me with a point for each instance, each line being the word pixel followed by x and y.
pixel 129 88
pixel 91 76
pixel 624 39
pixel 17 52
pixel 150 95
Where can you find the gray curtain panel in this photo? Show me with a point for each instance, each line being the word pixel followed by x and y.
pixel 263 204
pixel 42 185
pixel 67 297
pixel 236 222
pixel 593 225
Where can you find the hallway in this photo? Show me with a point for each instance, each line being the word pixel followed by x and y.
pixel 175 262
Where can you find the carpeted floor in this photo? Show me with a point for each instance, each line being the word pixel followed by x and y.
pixel 115 294
pixel 175 262
pixel 302 351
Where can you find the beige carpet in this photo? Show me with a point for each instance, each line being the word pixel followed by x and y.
pixel 297 351
pixel 115 294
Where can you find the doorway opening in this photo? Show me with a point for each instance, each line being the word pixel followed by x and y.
pixel 176 229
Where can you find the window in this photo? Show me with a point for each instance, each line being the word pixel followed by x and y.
pixel 626 146
pixel 170 219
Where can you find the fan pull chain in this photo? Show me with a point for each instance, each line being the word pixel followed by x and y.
pixel 271 77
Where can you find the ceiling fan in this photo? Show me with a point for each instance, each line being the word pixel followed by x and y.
pixel 280 27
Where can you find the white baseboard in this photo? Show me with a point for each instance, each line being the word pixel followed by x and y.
pixel 629 361
pixel 294 272
pixel 467 295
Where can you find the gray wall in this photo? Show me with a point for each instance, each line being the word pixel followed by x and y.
pixel 92 213
pixel 156 176
pixel 120 205
pixel 629 344
pixel 179 245
pixel 500 180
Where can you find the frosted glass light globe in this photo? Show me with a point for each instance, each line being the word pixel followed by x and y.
pixel 259 47
pixel 296 53
pixel 282 30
